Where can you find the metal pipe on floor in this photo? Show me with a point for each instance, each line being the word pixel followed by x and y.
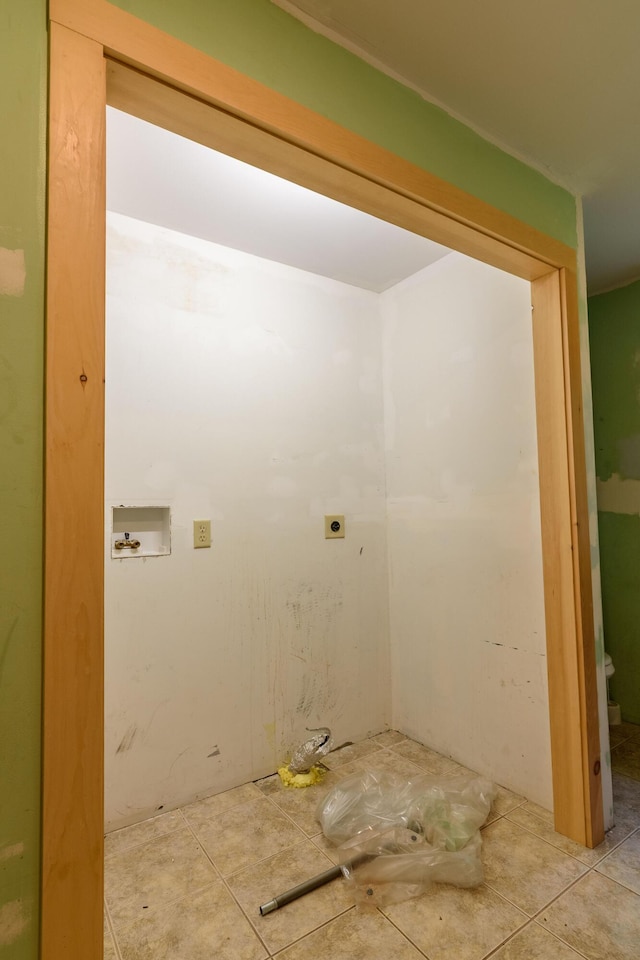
pixel 299 891
pixel 313 883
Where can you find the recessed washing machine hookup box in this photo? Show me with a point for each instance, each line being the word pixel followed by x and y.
pixel 140 532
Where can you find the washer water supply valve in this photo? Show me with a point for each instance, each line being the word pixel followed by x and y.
pixel 127 542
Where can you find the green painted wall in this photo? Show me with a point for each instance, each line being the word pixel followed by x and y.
pixel 614 333
pixel 22 166
pixel 259 39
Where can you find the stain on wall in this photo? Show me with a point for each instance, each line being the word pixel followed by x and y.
pixel 614 333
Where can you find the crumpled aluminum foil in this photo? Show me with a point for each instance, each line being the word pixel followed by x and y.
pixel 311 751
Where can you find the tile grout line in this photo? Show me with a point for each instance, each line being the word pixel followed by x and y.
pixel 516 933
pixel 263 860
pixel 605 876
pixel 589 869
pixel 402 933
pixel 559 938
pixel 218 877
pixel 626 776
pixel 320 926
pixel 254 924
pixel 545 906
pixel 245 913
pixel 528 921
pixel 111 928
pixel 127 850
pixel 291 820
pixel 502 816
pixel 141 843
pixel 550 843
pixel 615 846
pixel 181 811
pixel 590 866
pixel 562 893
pixel 223 879
pixel 323 923
pixel 167 903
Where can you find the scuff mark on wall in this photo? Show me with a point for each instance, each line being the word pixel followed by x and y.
pixel 215 752
pixel 181 754
pixel 13 922
pixel 508 646
pixel 13 272
pixel 127 741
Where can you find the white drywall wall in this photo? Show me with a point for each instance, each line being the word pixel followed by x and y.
pixel 249 393
pixel 468 652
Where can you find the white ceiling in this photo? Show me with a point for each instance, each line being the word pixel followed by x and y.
pixel 554 82
pixel 159 177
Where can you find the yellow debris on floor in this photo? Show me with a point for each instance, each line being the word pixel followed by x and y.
pixel 290 779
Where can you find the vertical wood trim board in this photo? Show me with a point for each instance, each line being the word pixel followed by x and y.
pixel 568 609
pixel 581 541
pixel 73 753
pixel 367 177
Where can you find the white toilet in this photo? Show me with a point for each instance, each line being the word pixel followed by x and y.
pixel 615 715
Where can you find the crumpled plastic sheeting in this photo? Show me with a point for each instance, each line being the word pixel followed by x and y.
pixel 403 835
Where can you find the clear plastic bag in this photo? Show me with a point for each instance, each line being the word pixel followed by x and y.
pixel 399 836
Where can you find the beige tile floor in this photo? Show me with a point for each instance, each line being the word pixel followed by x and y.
pixel 187 885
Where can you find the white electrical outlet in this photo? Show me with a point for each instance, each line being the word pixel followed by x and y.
pixel 201 534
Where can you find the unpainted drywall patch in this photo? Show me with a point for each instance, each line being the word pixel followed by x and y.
pixel 629 456
pixel 616 495
pixel 13 850
pixel 13 922
pixel 13 272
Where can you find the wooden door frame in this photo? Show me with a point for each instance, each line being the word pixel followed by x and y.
pixel 99 54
